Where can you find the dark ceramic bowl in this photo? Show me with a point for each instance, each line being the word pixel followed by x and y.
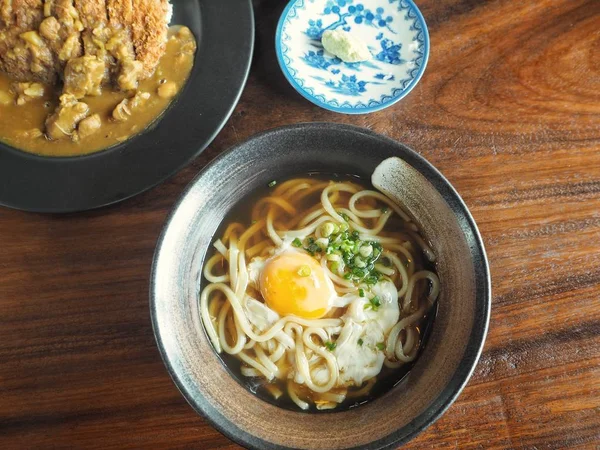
pixel 457 335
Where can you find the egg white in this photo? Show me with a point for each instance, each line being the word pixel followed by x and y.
pixel 356 350
pixel 258 263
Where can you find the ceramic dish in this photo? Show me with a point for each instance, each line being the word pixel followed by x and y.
pixel 394 31
pixel 457 335
pixel 44 184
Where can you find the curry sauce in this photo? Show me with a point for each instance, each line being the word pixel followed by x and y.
pixel 103 120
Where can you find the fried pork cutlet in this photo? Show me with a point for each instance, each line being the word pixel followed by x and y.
pixel 39 39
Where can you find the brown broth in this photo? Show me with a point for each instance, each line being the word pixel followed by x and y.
pixel 387 378
pixel 17 121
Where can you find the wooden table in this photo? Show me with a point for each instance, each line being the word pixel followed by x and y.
pixel 508 110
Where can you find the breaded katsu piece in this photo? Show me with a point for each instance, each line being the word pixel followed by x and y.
pixel 86 44
pixel 24 55
pixel 38 38
pixel 149 37
pixel 91 12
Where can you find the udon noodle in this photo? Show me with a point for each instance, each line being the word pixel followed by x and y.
pixel 375 281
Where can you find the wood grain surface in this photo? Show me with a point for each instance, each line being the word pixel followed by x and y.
pixel 508 110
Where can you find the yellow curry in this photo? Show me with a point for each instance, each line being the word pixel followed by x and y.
pixel 36 118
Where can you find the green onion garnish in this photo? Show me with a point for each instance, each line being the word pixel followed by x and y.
pixel 304 271
pixel 327 229
pixel 373 304
pixel 344 216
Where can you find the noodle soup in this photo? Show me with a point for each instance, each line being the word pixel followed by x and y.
pixel 319 293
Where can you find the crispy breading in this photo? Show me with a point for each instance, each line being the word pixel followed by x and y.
pixel 91 12
pixel 120 13
pixel 149 32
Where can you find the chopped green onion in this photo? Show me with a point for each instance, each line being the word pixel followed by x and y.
pixel 344 216
pixel 358 262
pixel 380 346
pixel 361 292
pixel 360 341
pixel 347 246
pixel 327 229
pixel 373 304
pixel 366 251
pixel 253 222
pixel 349 255
pixel 304 271
pixel 330 345
pixel 312 247
pixel 322 243
pixel 359 272
pixel 373 278
pixel 272 183
pixel 385 209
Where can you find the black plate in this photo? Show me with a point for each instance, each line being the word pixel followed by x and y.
pixel 225 34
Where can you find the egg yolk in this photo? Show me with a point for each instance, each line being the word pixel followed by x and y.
pixel 295 284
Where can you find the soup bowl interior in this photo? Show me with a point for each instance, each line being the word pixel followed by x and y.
pixel 451 351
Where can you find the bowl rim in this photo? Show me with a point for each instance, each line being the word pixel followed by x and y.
pixel 474 346
pixel 351 111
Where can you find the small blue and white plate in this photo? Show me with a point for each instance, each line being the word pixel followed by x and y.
pixel 394 31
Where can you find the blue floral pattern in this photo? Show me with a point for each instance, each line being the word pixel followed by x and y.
pixel 347 13
pixel 390 52
pixel 383 76
pixel 396 35
pixel 348 85
pixel 317 60
pixel 315 29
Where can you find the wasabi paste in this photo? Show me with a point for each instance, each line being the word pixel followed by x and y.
pixel 345 46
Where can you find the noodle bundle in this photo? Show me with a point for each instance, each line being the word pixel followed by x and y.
pixel 326 287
